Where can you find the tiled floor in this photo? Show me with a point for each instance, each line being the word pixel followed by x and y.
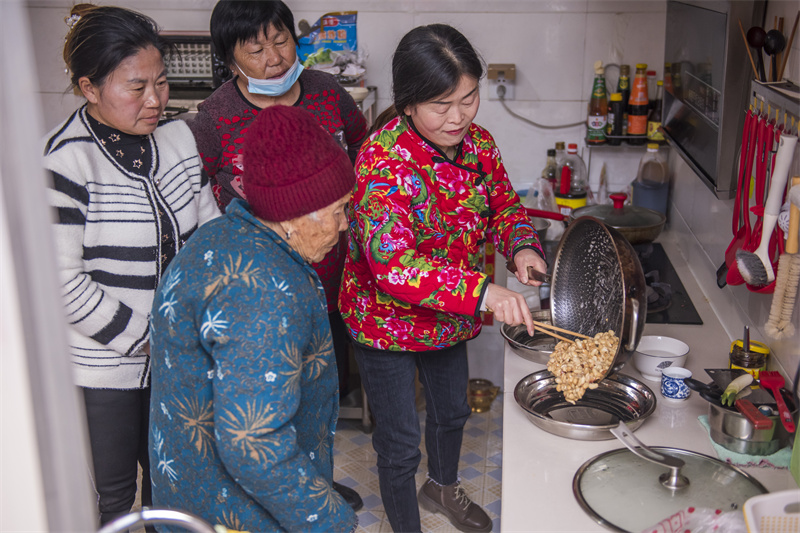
pixel 479 467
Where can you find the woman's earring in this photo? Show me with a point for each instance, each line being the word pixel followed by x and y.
pixel 288 234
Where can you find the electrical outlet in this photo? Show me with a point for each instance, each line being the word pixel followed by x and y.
pixel 501 78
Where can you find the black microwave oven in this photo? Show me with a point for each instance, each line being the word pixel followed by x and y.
pixel 704 110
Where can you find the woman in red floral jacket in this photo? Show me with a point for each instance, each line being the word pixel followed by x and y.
pixel 431 189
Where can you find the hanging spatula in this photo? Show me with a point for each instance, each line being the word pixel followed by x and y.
pixel 774 381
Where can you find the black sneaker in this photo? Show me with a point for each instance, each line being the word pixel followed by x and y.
pixel 350 496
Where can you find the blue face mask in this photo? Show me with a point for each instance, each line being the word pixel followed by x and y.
pixel 274 86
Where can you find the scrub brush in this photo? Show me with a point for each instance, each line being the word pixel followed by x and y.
pixel 756 267
pixel 779 324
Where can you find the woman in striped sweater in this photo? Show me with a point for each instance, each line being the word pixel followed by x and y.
pixel 128 191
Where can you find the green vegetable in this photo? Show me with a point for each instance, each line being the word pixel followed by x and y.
pixel 733 388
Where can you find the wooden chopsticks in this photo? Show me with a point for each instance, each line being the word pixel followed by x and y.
pixel 550 329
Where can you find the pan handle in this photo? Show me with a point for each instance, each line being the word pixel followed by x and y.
pixel 631 346
pixel 674 480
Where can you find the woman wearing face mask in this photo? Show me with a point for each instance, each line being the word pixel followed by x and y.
pixel 257 40
pixel 127 191
pixel 430 187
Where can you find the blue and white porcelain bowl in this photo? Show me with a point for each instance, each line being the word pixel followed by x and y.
pixel 673 386
pixel 654 353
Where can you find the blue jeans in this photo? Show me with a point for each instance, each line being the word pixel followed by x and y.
pixel 388 378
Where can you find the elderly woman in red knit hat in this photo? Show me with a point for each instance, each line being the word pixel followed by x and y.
pixel 244 390
pixel 257 41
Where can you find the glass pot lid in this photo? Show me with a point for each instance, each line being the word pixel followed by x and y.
pixel 624 492
pixel 620 215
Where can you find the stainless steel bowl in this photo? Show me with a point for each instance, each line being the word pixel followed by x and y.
pixel 537 348
pixel 734 432
pixel 540 225
pixel 617 398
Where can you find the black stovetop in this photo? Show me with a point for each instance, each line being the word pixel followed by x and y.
pixel 657 267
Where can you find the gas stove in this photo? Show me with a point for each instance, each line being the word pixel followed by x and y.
pixel 667 299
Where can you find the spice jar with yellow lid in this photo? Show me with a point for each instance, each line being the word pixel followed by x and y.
pixel 750 356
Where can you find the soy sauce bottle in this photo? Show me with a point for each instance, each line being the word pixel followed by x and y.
pixel 616 117
pixel 637 107
pixel 624 89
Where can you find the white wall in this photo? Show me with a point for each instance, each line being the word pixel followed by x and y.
pixel 553 44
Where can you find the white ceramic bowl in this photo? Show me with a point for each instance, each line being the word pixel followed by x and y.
pixel 655 353
pixel 358 93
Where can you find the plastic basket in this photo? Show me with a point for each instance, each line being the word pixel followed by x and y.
pixel 776 512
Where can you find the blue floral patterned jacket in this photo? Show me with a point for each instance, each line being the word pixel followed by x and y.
pixel 244 388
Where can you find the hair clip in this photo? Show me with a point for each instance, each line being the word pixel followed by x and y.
pixel 72 20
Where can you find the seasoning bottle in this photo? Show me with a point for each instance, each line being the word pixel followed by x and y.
pixel 637 107
pixel 561 153
pixel 668 78
pixel 572 187
pixel 598 109
pixel 550 170
pixel 750 356
pixel 654 134
pixel 651 90
pixel 616 116
pixel 624 89
pixel 651 187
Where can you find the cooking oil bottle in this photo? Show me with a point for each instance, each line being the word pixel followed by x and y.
pixel 651 188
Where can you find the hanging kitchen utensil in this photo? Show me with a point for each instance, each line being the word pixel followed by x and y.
pixel 749 53
pixel 757 267
pixel 598 285
pixel 755 38
pixel 766 138
pixel 775 247
pixel 788 47
pixel 637 224
pixel 740 223
pixel 774 381
pixel 734 277
pixel 652 477
pixel 779 323
pixel 774 44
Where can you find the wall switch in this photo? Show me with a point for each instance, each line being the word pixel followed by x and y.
pixel 501 78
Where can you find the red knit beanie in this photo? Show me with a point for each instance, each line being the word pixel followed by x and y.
pixel 292 166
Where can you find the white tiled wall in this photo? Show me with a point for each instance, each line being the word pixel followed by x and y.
pixel 553 44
